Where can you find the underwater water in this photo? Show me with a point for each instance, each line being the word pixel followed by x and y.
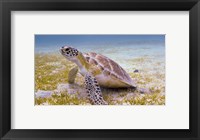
pixel 121 54
pixel 146 55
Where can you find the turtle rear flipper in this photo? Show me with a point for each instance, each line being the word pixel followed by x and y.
pixel 144 90
pixel 94 91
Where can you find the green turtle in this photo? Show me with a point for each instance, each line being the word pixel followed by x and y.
pixel 98 70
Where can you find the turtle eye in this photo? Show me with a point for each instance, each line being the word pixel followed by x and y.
pixel 67 49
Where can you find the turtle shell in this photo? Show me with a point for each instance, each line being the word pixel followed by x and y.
pixel 111 72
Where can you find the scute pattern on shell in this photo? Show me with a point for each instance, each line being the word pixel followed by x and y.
pixel 108 67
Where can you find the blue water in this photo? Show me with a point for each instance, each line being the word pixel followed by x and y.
pixel 120 48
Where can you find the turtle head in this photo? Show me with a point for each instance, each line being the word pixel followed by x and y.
pixel 74 55
pixel 69 52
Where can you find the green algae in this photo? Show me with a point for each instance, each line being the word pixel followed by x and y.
pixel 61 99
pixel 52 70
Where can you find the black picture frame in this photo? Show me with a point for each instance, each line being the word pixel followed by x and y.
pixel 6 6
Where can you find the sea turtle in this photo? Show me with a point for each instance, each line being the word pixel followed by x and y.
pixel 98 70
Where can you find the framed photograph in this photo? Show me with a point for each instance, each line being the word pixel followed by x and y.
pixel 86 74
pixel 99 69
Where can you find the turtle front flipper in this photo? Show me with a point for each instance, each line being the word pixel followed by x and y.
pixel 72 75
pixel 94 91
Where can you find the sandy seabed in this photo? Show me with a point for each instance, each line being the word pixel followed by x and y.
pixel 51 87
